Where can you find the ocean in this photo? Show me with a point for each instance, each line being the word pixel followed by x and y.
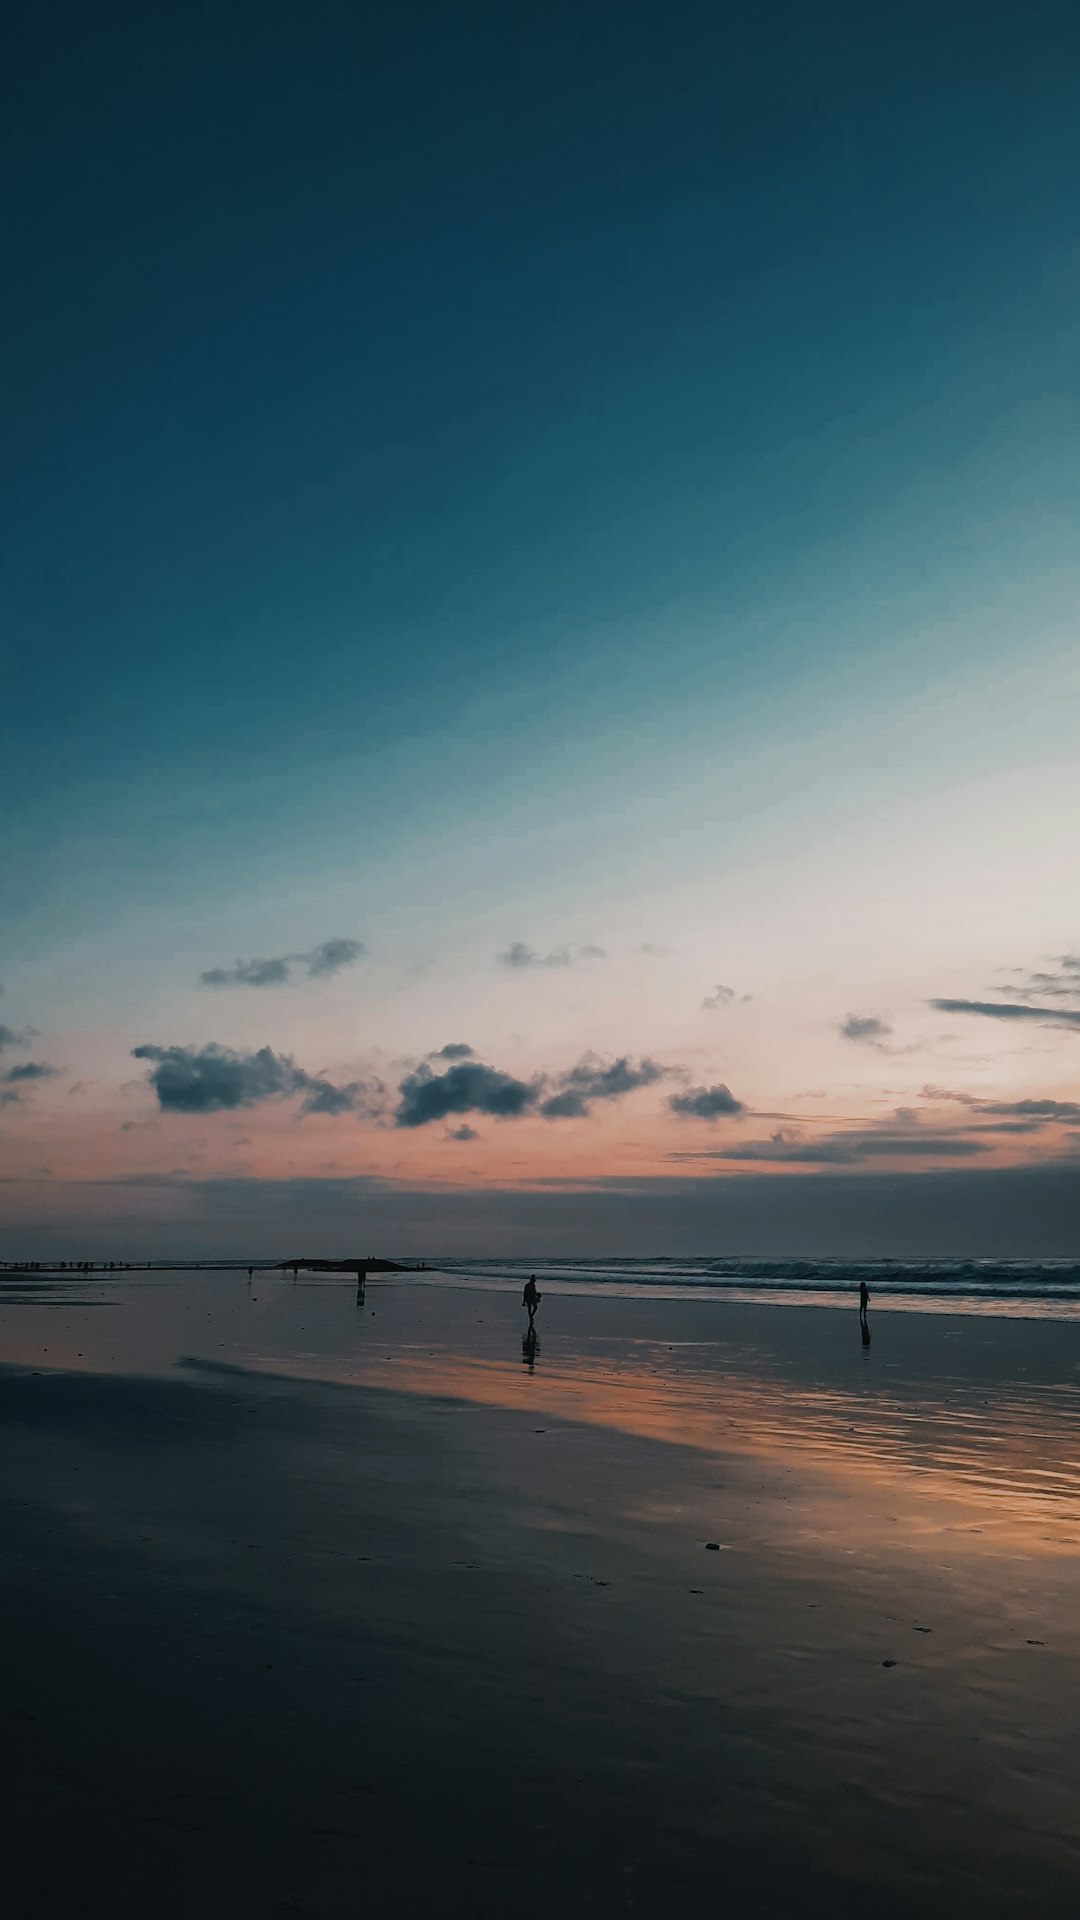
pixel 1044 1289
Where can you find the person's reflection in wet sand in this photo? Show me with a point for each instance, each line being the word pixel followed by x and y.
pixel 361 1288
pixel 530 1347
pixel 865 1331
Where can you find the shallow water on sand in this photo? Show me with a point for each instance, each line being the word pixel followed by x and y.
pixel 984 1412
pixel 755 1609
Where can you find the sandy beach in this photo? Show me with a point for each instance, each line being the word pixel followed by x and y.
pixel 310 1603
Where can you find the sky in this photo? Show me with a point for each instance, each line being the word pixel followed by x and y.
pixel 540 681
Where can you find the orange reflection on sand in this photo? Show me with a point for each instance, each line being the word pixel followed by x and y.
pixel 1013 1464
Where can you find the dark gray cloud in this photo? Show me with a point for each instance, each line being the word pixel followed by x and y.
pixel 969 1211
pixel 1046 1110
pixel 846 1149
pixel 316 963
pixel 8 1098
pixel 705 1103
pixel 1038 1112
pixel 518 957
pixel 211 1079
pixel 454 1050
pixel 866 1029
pixel 10 1038
pixel 1011 1010
pixel 331 956
pixel 363 1097
pixel 247 973
pixel 575 1092
pixel 471 1087
pixel 720 996
pixel 468 1087
pixel 463 1132
pixel 30 1070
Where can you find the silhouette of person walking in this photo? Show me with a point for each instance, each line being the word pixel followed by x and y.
pixel 530 1298
pixel 864 1302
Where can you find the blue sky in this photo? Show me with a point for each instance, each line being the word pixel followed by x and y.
pixel 585 476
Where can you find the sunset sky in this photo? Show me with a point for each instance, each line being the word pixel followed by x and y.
pixel 541 687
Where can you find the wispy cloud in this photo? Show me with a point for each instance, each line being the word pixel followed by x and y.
pixel 520 958
pixel 315 963
pixel 720 996
pixel 1039 1110
pixel 1059 981
pixel 453 1050
pixel 30 1070
pixel 845 1149
pixel 212 1078
pixel 1012 1010
pixel 10 1038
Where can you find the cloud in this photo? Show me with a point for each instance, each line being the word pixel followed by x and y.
pixel 1062 984
pixel 719 997
pixel 1038 1111
pixel 8 1099
pixel 357 1096
pixel 705 1103
pixel 212 1078
pixel 846 1149
pixel 9 1037
pixel 1048 1110
pixel 471 1087
pixel 1011 1010
pixel 31 1070
pixel 866 1029
pixel 967 1211
pixel 590 1080
pixel 463 1133
pixel 454 1050
pixel 468 1087
pixel 331 956
pixel 518 957
pixel 318 963
pixel 247 973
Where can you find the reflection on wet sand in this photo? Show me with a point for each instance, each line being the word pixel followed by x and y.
pixel 1016 1458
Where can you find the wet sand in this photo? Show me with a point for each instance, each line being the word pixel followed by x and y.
pixel 308 1605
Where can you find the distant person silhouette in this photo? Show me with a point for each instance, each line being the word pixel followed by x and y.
pixel 864 1302
pixel 530 1298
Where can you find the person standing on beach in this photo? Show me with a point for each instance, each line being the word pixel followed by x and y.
pixel 864 1302
pixel 530 1298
